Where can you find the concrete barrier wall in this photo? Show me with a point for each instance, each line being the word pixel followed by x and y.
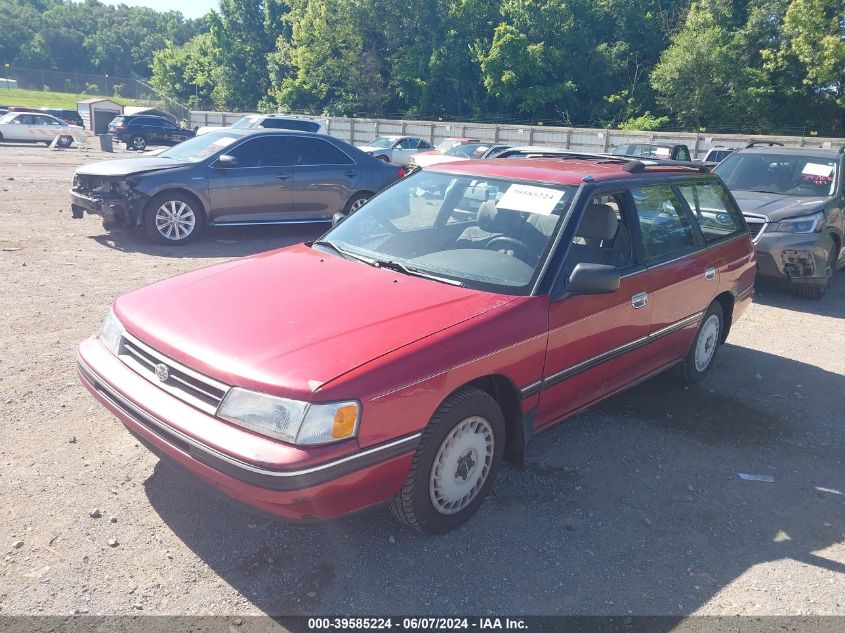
pixel 359 131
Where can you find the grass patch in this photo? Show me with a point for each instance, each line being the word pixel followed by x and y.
pixel 39 99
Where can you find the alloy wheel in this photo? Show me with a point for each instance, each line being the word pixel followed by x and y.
pixel 175 220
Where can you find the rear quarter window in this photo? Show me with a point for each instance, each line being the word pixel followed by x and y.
pixel 715 212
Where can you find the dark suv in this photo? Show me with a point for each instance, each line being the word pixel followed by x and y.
pixel 71 117
pixel 140 130
pixel 793 200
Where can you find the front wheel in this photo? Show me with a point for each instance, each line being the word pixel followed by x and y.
pixel 64 141
pixel 454 465
pixel 814 292
pixel 172 218
pixel 699 358
pixel 383 158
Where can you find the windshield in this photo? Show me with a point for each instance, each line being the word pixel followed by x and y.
pixel 445 146
pixel 469 150
pixel 384 141
pixel 8 117
pixel 484 233
pixel 245 122
pixel 786 174
pixel 200 147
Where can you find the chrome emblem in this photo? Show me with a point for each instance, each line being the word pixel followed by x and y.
pixel 162 373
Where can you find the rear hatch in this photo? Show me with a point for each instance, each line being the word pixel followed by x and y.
pixel 117 124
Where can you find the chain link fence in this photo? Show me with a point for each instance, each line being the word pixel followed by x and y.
pixel 88 85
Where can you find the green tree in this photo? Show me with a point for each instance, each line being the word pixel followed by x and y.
pixel 815 34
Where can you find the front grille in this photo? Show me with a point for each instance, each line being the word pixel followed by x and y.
pixel 192 387
pixel 754 227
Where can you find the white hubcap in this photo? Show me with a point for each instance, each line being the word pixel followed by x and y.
pixel 708 340
pixel 175 220
pixel 357 204
pixel 461 465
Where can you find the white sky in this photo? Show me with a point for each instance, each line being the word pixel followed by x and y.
pixel 189 8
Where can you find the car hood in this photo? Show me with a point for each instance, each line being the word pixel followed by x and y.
pixel 290 321
pixel 128 166
pixel 775 206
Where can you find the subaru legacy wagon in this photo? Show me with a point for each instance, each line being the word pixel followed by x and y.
pixel 428 335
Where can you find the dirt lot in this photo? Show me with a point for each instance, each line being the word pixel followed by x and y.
pixel 634 507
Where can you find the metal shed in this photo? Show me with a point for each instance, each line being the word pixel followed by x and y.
pixel 97 113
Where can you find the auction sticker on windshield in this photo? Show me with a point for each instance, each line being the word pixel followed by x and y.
pixel 539 200
pixel 817 169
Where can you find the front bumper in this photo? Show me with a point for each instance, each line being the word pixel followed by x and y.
pixel 797 258
pixel 282 480
pixel 116 211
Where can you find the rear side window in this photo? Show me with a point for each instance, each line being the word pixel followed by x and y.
pixel 717 216
pixel 290 124
pixel 664 224
pixel 316 151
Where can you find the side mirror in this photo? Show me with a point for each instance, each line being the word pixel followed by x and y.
pixel 226 160
pixel 337 218
pixel 594 279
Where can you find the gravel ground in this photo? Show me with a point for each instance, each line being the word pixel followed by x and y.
pixel 634 507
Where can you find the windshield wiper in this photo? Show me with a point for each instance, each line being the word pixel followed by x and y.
pixel 341 251
pixel 414 272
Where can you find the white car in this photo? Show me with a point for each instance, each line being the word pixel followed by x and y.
pixel 274 122
pixel 396 149
pixel 34 127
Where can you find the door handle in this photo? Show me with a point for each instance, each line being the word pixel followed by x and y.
pixel 710 274
pixel 639 300
pixel 351 173
pixel 282 175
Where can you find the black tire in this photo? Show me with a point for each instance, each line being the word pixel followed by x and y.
pixel 810 292
pixel 138 142
pixel 414 505
pixel 64 141
pixel 355 202
pixel 688 370
pixel 815 292
pixel 384 158
pixel 167 203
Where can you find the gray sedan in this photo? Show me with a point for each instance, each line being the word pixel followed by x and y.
pixel 230 177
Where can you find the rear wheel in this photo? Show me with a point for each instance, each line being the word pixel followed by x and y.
pixel 384 158
pixel 138 143
pixel 356 202
pixel 454 465
pixel 173 218
pixel 699 358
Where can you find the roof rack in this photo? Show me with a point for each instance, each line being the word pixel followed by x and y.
pixel 638 166
pixel 763 144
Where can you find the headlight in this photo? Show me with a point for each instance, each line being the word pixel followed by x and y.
pixel 290 420
pixel 111 331
pixel 804 224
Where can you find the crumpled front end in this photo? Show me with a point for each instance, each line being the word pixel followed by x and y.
pixel 115 199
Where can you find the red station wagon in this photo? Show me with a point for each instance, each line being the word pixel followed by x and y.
pixel 429 335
